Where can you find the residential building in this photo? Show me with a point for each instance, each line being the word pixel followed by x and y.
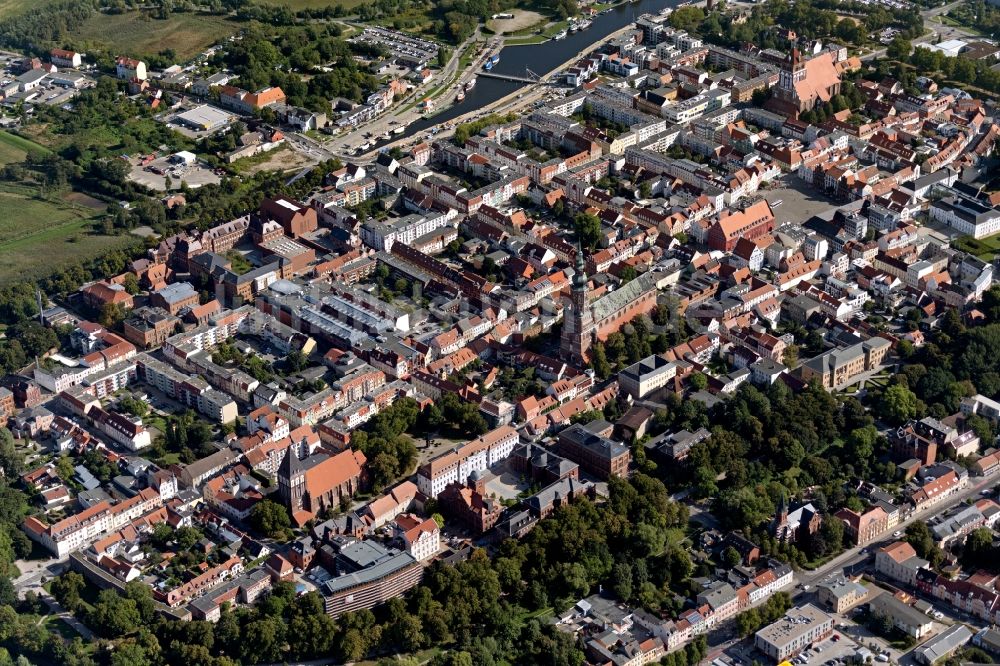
pixel 840 594
pixel 899 562
pixel 904 617
pixel 457 465
pixel 801 627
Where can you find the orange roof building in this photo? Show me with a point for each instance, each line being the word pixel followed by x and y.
pixel 318 481
pixel 752 222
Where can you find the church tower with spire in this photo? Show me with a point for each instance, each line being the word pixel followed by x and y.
pixel 779 526
pixel 578 321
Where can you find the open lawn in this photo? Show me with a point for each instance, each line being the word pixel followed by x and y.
pixel 13 148
pixel 283 158
pixel 523 19
pixel 984 248
pixel 138 34
pixel 38 236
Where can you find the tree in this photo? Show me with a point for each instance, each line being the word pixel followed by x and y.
pixel 111 314
pixel 384 469
pixel 899 404
pixel 66 589
pixel 114 616
pixel 588 230
pixel 599 361
pixel 687 18
pixel 731 557
pixel 270 518
pixel 262 640
pixel 790 357
pixel 296 360
pixel 698 381
pixel 131 283
pixel 881 624
pixel 899 48
pixel 352 645
pixel 832 530
pixel 919 536
pixel 11 460
pixel 979 551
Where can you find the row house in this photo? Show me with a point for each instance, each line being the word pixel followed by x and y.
pixel 79 530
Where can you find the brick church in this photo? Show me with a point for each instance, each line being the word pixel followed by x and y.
pixel 805 83
pixel 318 482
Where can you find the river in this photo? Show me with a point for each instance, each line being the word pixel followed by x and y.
pixel 541 59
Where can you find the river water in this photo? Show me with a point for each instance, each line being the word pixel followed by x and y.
pixel 541 59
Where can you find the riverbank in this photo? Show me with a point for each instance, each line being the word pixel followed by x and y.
pixel 517 100
pixel 547 32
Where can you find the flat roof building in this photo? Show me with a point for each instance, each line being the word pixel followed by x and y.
pixel 801 627
pixel 204 118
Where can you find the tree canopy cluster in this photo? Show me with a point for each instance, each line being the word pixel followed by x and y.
pixel 480 611
pixel 813 19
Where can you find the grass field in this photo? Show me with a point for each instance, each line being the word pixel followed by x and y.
pixel 136 33
pixel 296 5
pixel 38 236
pixel 13 7
pixel 14 148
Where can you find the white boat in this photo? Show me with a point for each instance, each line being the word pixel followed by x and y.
pixel 460 97
pixel 583 25
pixel 470 84
pixel 399 130
pixel 559 35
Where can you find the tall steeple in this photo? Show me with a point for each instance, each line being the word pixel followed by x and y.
pixel 580 276
pixel 780 525
pixel 578 321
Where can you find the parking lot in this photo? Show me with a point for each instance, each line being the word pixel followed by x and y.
pixel 831 651
pixel 154 175
pixel 400 44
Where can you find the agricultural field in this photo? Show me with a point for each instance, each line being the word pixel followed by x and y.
pixel 138 34
pixel 57 229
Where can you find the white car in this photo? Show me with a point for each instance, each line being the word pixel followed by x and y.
pixel 777 203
